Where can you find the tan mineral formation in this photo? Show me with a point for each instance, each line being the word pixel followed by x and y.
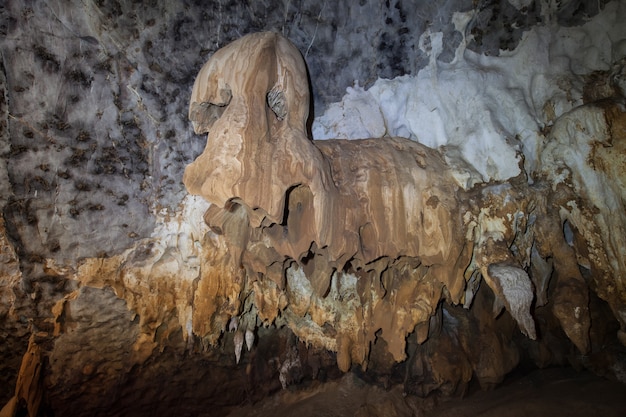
pixel 379 250
pixel 349 241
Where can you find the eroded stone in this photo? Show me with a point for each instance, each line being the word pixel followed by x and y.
pixel 370 234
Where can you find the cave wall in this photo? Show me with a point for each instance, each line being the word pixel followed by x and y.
pixel 94 137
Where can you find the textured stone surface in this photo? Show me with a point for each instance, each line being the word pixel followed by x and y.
pixel 137 306
pixel 556 391
pixel 370 253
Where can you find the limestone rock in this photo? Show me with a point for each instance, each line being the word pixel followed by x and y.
pixel 584 160
pixel 321 256
pixel 29 387
pixel 369 235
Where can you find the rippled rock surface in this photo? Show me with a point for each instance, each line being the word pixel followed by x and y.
pixel 476 225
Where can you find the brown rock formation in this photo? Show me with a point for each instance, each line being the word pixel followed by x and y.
pixel 346 241
pixel 372 249
pixel 29 389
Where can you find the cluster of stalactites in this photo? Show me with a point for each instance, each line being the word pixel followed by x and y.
pixel 345 306
pixel 304 221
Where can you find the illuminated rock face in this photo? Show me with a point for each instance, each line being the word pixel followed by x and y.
pixel 122 294
pixel 351 241
pixel 584 161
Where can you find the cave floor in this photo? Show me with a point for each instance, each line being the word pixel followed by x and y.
pixel 550 392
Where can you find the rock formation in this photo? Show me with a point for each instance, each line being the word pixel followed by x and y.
pixel 489 236
pixel 349 241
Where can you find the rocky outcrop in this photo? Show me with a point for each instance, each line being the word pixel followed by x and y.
pixel 584 159
pixel 296 259
pixel 352 241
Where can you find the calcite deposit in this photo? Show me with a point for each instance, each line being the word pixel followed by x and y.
pixel 460 215
pixel 351 241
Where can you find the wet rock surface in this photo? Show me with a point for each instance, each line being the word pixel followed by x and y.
pixel 541 393
pixel 120 293
pixel 353 242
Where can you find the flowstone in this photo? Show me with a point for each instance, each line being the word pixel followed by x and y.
pixel 354 242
